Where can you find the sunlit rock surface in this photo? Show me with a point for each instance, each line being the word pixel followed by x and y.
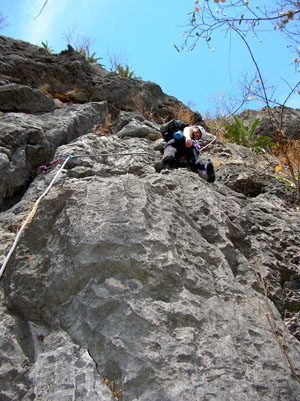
pixel 142 286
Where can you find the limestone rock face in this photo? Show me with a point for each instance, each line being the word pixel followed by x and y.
pixel 28 141
pixel 37 364
pixel 129 284
pixel 70 78
pixel 22 98
pixel 156 276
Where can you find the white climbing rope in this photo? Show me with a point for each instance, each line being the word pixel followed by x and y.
pixel 34 209
pixel 30 216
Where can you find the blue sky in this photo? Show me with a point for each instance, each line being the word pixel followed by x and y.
pixel 143 33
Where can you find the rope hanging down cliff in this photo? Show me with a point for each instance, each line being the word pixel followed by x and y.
pixel 49 165
pixel 65 158
pixel 32 213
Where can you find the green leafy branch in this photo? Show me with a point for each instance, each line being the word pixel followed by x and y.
pixel 246 137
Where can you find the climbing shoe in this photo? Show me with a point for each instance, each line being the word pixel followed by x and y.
pixel 163 163
pixel 210 173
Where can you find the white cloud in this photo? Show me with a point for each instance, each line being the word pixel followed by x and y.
pixel 37 29
pixel 57 18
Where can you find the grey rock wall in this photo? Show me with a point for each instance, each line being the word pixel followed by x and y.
pixel 21 98
pixel 154 277
pixel 128 284
pixel 37 364
pixel 29 140
pixel 70 78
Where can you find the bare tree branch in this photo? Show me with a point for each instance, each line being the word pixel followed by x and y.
pixel 205 20
pixel 3 22
pixel 116 59
pixel 41 9
pixel 81 43
pixel 237 16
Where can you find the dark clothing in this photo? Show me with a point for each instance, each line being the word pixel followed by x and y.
pixel 176 150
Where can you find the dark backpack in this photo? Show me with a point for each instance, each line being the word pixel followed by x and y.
pixel 168 129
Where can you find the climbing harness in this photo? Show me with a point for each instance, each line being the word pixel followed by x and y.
pixel 197 145
pixel 210 143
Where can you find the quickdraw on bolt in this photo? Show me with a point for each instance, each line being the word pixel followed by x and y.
pixel 67 156
pixel 47 166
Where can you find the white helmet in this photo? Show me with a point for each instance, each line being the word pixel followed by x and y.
pixel 202 130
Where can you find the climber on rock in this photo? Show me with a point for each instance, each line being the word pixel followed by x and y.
pixel 184 145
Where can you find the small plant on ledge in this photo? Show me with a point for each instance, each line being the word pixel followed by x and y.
pixel 242 136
